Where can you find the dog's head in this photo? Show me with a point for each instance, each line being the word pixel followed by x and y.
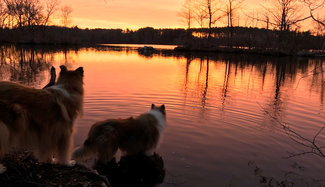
pixel 71 78
pixel 161 109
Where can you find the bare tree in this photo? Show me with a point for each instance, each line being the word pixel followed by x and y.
pixel 252 18
pixel 3 14
pixel 66 15
pixel 258 18
pixel 309 145
pixel 317 7
pixel 186 13
pixel 285 14
pixel 231 9
pixel 267 21
pixel 51 6
pixel 28 13
pixel 33 12
pixel 22 13
pixel 212 8
pixel 314 6
pixel 200 13
pixel 15 9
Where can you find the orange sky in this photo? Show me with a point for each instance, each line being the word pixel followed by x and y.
pixel 130 13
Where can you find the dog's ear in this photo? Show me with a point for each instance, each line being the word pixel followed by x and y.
pixel 63 68
pixel 162 107
pixel 153 106
pixel 80 70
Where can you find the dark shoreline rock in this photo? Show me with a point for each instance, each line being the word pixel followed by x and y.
pixel 24 170
pixel 134 171
pixel 131 171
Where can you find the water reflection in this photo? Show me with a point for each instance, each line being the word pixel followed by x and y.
pixel 207 77
pixel 218 105
pixel 318 79
pixel 24 65
pixel 271 72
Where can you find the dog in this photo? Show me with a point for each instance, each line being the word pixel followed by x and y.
pixel 139 135
pixel 41 120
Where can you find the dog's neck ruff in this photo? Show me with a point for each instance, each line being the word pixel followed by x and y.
pixel 161 119
pixel 62 90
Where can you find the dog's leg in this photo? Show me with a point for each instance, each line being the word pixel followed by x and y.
pixel 63 156
pixel 81 153
pixel 104 156
pixel 64 149
pixel 4 144
pixel 106 152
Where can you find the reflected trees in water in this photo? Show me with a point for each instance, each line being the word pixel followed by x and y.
pixel 203 85
pixel 30 65
pixel 24 65
pixel 204 94
pixel 206 75
pixel 318 78
pixel 267 73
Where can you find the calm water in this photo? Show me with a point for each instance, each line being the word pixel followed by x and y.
pixel 223 111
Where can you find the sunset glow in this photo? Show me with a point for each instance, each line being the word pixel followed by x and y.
pixel 125 13
pixel 133 14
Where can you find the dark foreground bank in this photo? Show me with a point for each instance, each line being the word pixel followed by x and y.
pixel 24 170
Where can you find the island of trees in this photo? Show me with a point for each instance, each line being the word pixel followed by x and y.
pixel 287 27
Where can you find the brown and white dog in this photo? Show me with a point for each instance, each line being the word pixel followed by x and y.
pixel 139 135
pixel 41 120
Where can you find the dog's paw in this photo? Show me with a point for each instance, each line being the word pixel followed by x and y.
pixel 72 163
pixel 2 169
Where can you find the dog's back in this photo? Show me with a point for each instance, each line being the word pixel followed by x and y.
pixel 139 134
pixel 32 101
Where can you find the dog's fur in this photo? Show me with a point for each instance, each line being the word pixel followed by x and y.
pixel 132 136
pixel 41 120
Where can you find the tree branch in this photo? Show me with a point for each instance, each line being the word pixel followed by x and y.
pixel 301 140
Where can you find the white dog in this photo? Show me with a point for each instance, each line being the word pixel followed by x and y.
pixel 132 136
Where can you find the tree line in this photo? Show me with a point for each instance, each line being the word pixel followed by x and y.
pixel 31 22
pixel 258 40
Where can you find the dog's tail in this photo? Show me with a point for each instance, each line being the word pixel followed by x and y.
pixel 82 152
pixel 4 139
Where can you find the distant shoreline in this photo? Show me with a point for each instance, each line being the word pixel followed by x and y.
pixel 269 52
pixel 222 40
pixel 173 49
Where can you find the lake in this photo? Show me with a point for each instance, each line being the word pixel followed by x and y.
pixel 232 119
